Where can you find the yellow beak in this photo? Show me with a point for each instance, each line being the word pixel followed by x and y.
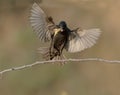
pixel 57 30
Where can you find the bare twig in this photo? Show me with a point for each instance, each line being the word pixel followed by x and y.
pixel 53 61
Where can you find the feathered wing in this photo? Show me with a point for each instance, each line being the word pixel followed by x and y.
pixel 41 24
pixel 82 39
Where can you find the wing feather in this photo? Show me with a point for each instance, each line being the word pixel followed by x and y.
pixel 39 23
pixel 80 40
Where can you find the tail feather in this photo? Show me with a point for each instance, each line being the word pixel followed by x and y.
pixel 47 56
pixel 60 58
pixel 43 50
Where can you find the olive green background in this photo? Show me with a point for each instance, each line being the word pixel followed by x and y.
pixel 18 46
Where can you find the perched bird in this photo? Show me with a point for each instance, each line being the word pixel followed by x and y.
pixel 60 36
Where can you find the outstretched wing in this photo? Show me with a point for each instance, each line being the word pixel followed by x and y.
pixel 82 39
pixel 41 24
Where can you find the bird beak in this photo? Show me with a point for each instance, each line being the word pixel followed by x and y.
pixel 57 30
pixel 61 29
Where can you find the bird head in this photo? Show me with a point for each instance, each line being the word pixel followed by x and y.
pixel 63 25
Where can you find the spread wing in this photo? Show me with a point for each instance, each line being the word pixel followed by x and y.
pixel 82 39
pixel 41 24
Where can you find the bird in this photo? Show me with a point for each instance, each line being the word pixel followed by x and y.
pixel 59 35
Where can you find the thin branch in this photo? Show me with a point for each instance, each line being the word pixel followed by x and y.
pixel 53 61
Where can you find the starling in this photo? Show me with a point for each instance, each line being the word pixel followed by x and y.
pixel 60 36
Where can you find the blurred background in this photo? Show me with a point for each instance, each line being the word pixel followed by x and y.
pixel 18 46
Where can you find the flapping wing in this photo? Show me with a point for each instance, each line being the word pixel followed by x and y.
pixel 82 39
pixel 41 24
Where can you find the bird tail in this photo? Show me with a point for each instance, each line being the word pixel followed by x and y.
pixel 47 55
pixel 61 57
pixel 45 52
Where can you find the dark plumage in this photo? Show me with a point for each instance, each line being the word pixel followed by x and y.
pixel 60 36
pixel 59 40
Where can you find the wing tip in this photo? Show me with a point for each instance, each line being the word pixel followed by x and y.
pixel 34 5
pixel 98 30
pixel 37 8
